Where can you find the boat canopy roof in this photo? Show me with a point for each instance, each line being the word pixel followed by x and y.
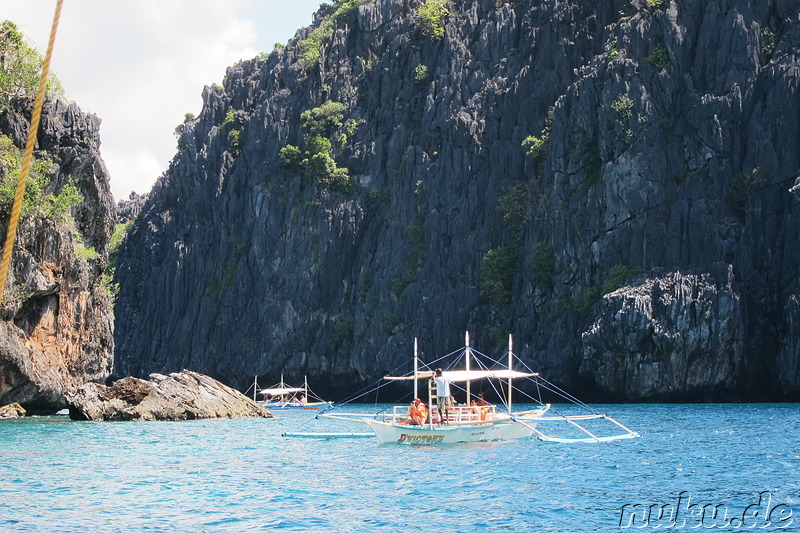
pixel 467 375
pixel 278 391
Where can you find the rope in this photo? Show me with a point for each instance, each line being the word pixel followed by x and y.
pixel 26 160
pixel 375 387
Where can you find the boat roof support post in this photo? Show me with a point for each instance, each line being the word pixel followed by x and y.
pixel 466 339
pixel 510 364
pixel 416 368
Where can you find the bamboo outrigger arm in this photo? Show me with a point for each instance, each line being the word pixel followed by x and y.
pixel 629 434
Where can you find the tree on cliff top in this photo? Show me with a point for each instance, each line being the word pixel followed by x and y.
pixel 20 68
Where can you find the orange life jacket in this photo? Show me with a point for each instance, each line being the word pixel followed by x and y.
pixel 421 411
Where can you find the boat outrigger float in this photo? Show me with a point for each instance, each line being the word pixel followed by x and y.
pixel 441 421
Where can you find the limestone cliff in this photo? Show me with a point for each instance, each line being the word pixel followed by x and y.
pixel 56 327
pixel 609 181
pixel 129 209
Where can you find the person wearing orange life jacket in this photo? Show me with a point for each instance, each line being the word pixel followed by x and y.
pixel 480 406
pixel 417 412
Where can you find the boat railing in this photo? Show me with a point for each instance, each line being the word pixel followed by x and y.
pixel 456 414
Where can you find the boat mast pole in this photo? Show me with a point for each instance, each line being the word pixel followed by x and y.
pixel 467 368
pixel 416 368
pixel 510 364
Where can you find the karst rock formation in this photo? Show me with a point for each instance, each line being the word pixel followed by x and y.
pixel 614 183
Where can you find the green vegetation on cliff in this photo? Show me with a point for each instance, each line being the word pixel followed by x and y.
pixel 535 147
pixel 430 18
pixel 334 14
pixel 321 123
pixel 53 205
pixel 20 68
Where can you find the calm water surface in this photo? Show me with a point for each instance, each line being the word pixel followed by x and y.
pixel 242 475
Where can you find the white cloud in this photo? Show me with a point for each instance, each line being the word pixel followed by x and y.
pixel 133 167
pixel 140 65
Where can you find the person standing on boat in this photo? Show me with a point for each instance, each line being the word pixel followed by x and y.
pixel 442 394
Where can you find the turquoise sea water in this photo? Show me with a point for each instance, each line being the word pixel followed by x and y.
pixel 242 475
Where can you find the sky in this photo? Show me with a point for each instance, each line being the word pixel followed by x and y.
pixel 141 65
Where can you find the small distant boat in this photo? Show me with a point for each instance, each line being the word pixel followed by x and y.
pixel 476 420
pixel 282 396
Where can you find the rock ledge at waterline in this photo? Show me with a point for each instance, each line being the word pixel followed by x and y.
pixel 184 395
pixel 13 410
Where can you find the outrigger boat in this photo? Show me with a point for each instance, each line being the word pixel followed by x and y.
pixel 472 422
pixel 282 396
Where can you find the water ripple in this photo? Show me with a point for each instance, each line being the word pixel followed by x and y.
pixel 240 475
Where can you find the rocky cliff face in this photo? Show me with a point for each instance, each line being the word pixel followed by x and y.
pixel 608 181
pixel 56 331
pixel 129 209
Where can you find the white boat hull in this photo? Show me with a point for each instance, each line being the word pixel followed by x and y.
pixel 295 405
pixel 448 433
